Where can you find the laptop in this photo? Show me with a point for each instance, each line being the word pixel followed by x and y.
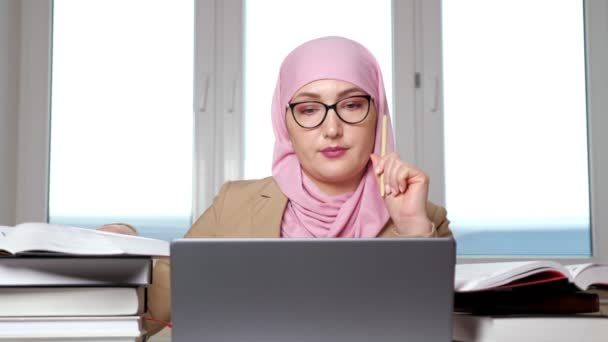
pixel 305 290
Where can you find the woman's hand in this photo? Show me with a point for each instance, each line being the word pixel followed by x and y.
pixel 118 228
pixel 405 195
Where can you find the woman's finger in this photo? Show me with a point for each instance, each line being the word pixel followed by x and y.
pixel 117 228
pixel 387 174
pixel 391 171
pixel 402 175
pixel 377 164
pixel 394 174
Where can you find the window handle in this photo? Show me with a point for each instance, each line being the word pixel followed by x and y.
pixel 435 106
pixel 204 94
pixel 232 102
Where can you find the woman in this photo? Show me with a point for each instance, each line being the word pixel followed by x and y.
pixel 327 118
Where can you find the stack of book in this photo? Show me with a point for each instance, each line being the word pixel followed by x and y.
pixel 62 283
pixel 530 301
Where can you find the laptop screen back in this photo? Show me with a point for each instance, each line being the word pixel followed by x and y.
pixel 312 289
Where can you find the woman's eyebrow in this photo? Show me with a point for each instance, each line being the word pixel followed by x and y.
pixel 340 94
pixel 349 91
pixel 312 95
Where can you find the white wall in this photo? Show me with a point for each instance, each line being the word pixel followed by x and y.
pixel 9 107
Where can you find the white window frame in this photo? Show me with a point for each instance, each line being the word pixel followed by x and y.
pixel 596 15
pixel 218 104
pixel 34 111
pixel 9 107
pixel 596 31
pixel 218 101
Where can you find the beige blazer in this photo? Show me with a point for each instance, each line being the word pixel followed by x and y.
pixel 247 209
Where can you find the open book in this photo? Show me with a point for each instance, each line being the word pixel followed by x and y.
pixel 36 238
pixel 486 276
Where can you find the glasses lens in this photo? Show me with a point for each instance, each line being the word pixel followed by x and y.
pixel 353 109
pixel 309 114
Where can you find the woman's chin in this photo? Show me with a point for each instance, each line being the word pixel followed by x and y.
pixel 340 175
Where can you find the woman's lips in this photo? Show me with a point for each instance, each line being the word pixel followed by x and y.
pixel 334 152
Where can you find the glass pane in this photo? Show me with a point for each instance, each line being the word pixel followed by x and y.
pixel 263 55
pixel 515 127
pixel 121 114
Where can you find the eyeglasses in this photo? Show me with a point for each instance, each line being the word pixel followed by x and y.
pixel 311 114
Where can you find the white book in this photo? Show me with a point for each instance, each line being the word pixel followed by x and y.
pixel 469 328
pixel 72 339
pixel 71 301
pixel 75 271
pixel 28 238
pixel 98 329
pixel 484 276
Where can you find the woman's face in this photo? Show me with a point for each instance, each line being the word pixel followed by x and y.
pixel 335 154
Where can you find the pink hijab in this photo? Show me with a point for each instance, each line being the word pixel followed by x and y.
pixel 309 212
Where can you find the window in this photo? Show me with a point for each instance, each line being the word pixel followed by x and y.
pixel 516 127
pixel 121 114
pixel 223 47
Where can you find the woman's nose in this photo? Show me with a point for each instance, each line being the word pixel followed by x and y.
pixel 332 127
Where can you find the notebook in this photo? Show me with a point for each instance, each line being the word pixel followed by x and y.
pixel 302 290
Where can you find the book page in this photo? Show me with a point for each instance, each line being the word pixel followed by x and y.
pixel 29 237
pixel 575 270
pixel 36 237
pixel 586 275
pixel 473 277
pixel 137 245
pixel 79 328
pixel 4 230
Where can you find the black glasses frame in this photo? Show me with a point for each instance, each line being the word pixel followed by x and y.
pixel 328 107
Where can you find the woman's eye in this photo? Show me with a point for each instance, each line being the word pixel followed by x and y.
pixel 352 105
pixel 308 110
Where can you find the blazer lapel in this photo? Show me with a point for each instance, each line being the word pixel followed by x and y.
pixel 267 212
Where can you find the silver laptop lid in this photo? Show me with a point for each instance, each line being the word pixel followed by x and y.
pixel 312 290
